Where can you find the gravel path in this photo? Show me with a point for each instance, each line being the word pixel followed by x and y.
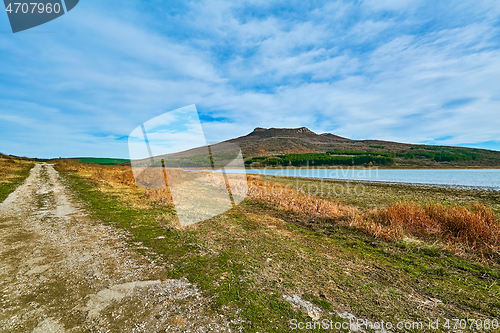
pixel 61 272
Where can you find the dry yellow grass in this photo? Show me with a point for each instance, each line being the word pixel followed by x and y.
pixel 475 228
pixel 298 202
pixel 9 167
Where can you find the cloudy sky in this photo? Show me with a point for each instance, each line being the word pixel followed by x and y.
pixel 408 71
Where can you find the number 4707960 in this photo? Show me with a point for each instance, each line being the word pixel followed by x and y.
pixel 25 8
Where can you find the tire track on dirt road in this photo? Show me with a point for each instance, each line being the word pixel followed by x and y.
pixel 60 272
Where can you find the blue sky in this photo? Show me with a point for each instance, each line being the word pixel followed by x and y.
pixel 408 71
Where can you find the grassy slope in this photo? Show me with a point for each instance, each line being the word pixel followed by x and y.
pixel 12 174
pixel 250 256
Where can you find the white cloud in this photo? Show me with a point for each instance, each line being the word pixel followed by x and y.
pixel 367 30
pixel 339 69
pixel 391 4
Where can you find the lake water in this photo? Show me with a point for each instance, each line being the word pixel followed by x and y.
pixel 475 178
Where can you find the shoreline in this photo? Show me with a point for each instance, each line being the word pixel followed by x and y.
pixel 384 182
pixel 352 175
pixel 382 167
pixel 382 194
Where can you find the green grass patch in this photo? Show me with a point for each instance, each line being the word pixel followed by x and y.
pixel 102 161
pixel 320 302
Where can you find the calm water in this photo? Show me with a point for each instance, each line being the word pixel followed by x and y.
pixel 483 178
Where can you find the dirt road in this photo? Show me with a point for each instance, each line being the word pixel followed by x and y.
pixel 61 272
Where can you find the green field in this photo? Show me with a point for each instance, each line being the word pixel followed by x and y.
pixel 102 161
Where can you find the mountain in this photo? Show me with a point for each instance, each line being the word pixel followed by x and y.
pixel 274 141
pixel 301 146
pixel 281 141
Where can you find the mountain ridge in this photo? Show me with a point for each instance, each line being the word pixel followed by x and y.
pixel 268 142
pixel 298 140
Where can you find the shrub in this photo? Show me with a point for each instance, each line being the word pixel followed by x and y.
pixel 411 218
pixel 476 228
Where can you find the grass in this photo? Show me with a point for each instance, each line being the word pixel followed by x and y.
pixel 103 161
pixel 13 172
pixel 475 229
pixel 248 257
pixel 220 273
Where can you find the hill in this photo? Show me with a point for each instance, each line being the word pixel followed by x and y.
pixel 273 141
pixel 266 146
pixel 302 147
pixel 13 157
